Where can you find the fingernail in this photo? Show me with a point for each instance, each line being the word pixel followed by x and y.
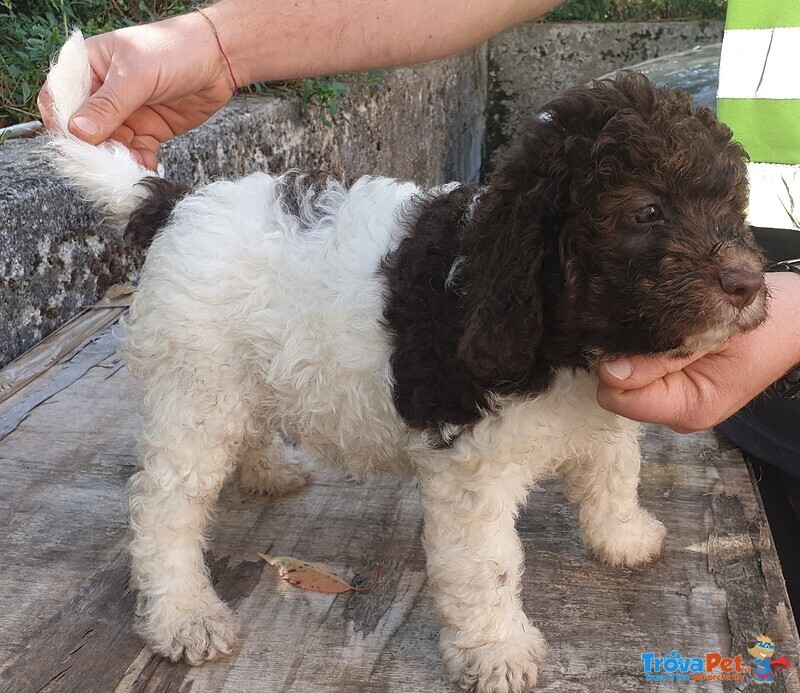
pixel 85 125
pixel 620 369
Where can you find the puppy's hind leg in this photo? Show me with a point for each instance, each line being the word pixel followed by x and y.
pixel 604 485
pixel 194 423
pixel 475 568
pixel 272 467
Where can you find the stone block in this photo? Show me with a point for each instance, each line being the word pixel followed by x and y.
pixel 531 63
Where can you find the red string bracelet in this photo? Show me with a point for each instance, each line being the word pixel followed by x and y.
pixel 219 43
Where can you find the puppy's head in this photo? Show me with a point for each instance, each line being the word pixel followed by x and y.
pixel 614 226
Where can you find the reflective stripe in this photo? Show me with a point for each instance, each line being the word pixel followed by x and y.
pixel 774 196
pixel 759 98
pixel 762 64
pixel 769 129
pixel 762 14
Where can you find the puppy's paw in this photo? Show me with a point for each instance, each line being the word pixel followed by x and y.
pixel 195 635
pixel 507 666
pixel 277 475
pixel 634 542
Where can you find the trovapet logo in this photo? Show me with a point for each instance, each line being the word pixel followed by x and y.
pixel 713 666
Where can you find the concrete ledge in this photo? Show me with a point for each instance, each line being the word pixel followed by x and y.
pixel 57 255
pixel 531 63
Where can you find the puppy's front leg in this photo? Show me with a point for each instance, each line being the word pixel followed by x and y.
pixel 475 566
pixel 603 484
pixel 187 452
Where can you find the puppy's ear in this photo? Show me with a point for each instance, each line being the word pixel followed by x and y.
pixel 516 221
pixel 514 244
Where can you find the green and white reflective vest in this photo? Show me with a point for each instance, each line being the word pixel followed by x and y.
pixel 759 98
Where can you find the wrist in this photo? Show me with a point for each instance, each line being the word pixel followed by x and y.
pixel 212 25
pixel 784 315
pixel 227 28
pixel 788 288
pixel 189 38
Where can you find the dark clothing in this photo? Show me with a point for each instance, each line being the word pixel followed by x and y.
pixel 769 429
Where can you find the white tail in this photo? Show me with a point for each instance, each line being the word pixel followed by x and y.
pixel 106 174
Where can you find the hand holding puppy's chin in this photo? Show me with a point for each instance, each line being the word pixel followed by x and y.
pixel 700 390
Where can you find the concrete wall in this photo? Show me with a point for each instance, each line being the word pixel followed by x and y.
pixel 57 255
pixel 531 63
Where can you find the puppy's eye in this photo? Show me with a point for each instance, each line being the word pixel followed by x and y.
pixel 648 214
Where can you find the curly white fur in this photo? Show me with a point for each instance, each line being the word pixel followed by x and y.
pixel 253 327
pixel 106 174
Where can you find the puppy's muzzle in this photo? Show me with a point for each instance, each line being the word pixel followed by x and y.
pixel 740 286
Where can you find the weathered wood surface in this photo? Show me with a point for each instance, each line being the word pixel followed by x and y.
pixel 69 447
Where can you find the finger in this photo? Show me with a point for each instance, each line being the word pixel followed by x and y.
pixel 143 148
pixel 45 104
pixel 637 371
pixel 124 134
pixel 698 396
pixel 663 401
pixel 147 148
pixel 147 158
pixel 105 111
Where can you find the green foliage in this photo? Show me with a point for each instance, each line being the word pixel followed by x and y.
pixel 32 31
pixel 637 10
pixel 324 95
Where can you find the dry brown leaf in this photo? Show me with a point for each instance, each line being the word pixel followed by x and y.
pixel 119 290
pixel 315 577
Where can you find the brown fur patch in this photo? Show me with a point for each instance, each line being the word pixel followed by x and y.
pixel 148 218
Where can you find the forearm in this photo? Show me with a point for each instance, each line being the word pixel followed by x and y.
pixel 277 39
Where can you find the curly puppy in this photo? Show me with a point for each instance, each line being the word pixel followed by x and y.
pixel 450 333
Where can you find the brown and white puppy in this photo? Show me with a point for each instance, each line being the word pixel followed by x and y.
pixel 447 333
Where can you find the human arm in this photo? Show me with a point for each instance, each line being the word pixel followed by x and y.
pixel 314 37
pixel 159 80
pixel 700 391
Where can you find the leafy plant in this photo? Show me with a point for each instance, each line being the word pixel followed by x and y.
pixel 32 31
pixel 326 94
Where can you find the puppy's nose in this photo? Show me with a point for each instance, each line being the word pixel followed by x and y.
pixel 741 286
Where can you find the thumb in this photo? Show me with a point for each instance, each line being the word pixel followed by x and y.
pixel 654 389
pixel 105 110
pixel 634 372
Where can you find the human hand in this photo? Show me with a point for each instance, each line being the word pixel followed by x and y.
pixel 701 390
pixel 149 84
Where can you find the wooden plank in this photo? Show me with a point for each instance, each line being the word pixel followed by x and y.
pixel 60 503
pixel 63 572
pixel 94 629
pixel 89 629
pixel 47 353
pixel 96 350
